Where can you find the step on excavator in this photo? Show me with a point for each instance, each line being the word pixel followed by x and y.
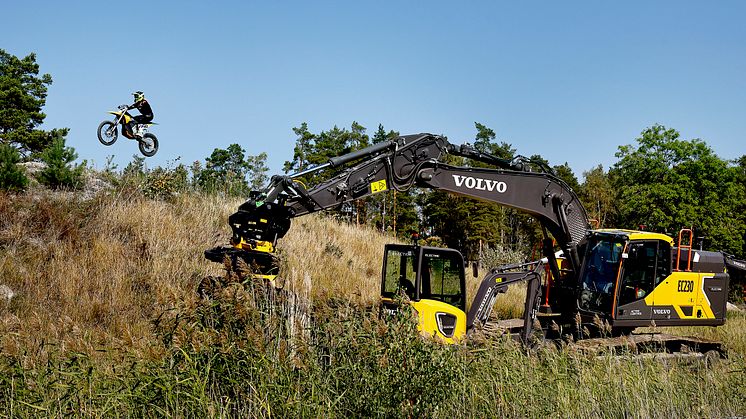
pixel 596 283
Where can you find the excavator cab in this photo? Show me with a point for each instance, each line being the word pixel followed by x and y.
pixel 636 278
pixel 432 280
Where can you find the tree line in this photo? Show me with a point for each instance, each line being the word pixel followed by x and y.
pixel 659 183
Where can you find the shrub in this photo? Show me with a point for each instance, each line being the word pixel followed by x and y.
pixel 12 177
pixel 165 183
pixel 59 172
pixel 499 255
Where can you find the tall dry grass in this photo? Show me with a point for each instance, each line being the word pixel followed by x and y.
pixel 341 259
pixel 93 274
pixel 106 321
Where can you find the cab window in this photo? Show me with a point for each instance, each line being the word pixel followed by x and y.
pixel 641 273
pixel 441 279
pixel 399 272
pixel 602 261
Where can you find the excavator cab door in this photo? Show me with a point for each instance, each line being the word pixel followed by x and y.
pixel 433 281
pixel 599 274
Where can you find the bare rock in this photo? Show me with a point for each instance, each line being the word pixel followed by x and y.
pixel 33 167
pixel 6 294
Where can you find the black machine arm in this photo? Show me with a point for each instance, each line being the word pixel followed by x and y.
pixel 497 282
pixel 266 215
pixel 414 160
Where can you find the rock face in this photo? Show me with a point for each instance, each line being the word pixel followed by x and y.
pixel 33 167
pixel 93 182
pixel 6 294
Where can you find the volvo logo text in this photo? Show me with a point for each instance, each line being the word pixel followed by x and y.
pixel 480 184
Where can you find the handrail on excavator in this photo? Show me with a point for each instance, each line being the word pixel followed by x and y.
pixel 680 246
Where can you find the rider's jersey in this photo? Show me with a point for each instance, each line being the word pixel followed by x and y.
pixel 144 107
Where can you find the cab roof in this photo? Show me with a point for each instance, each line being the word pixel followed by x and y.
pixel 636 235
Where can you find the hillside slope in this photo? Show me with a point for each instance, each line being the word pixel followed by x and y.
pixel 105 318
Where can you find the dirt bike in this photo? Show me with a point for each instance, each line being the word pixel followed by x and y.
pixel 107 132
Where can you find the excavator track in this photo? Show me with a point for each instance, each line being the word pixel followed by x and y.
pixel 654 345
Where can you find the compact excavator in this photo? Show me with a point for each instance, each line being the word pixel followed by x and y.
pixel 610 279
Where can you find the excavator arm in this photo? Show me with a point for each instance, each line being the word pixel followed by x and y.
pixel 413 160
pixel 417 161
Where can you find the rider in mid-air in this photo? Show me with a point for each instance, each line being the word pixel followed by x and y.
pixel 146 115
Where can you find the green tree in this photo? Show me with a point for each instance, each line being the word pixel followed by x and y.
pixel 741 180
pixel 23 93
pixel 564 172
pixel 232 171
pixel 135 170
pixel 315 149
pixel 597 195
pixel 12 177
pixel 394 211
pixel 303 145
pixel 667 183
pixel 256 167
pixel 469 224
pixel 483 141
pixel 59 171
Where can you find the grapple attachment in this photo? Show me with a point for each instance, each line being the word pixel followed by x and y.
pixel 246 261
pixel 256 226
pixel 257 220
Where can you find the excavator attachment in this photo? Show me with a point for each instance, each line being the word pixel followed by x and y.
pixel 247 262
pixel 256 226
pixel 258 220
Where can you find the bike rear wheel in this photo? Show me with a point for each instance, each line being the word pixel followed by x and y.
pixel 107 133
pixel 148 145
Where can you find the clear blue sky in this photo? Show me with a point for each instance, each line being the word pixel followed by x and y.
pixel 568 80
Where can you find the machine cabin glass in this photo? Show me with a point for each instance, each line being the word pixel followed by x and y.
pixel 646 264
pixel 602 261
pixel 424 273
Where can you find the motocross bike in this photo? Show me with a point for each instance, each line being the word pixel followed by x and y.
pixel 107 132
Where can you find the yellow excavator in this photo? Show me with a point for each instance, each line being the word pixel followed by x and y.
pixel 598 282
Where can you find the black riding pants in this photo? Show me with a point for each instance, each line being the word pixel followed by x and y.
pixel 139 119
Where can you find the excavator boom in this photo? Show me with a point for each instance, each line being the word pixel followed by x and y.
pixel 408 161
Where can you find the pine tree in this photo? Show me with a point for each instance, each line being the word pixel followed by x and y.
pixel 60 173
pixel 23 93
pixel 12 177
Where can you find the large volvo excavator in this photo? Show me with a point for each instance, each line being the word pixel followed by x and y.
pixel 598 281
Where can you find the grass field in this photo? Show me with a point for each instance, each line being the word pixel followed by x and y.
pixel 105 321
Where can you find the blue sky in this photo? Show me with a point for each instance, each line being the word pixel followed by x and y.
pixel 568 80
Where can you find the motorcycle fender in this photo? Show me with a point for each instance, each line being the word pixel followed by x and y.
pixel 127 118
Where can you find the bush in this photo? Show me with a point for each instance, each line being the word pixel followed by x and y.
pixel 165 183
pixel 499 255
pixel 59 173
pixel 12 177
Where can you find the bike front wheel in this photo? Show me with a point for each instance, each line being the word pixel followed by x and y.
pixel 148 145
pixel 107 133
